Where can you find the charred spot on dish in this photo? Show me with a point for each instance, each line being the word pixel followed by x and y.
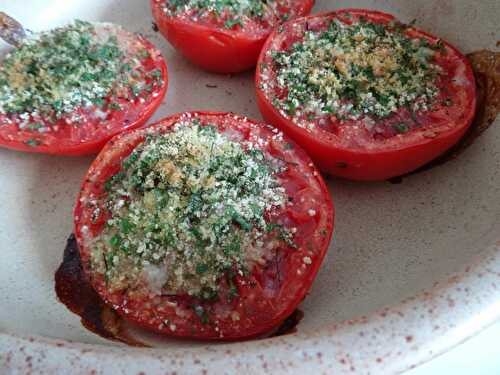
pixel 486 65
pixel 76 293
pixel 289 326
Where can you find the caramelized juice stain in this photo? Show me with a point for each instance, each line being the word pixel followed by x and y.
pixel 74 290
pixel 77 294
pixel 486 66
pixel 289 325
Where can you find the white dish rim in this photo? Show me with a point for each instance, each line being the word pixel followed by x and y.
pixel 345 348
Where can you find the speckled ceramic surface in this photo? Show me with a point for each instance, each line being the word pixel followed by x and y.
pixel 429 248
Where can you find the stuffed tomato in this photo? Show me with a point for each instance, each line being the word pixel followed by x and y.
pixel 204 225
pixel 223 36
pixel 69 90
pixel 368 97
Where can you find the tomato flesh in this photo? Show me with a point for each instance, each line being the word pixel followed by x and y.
pixel 270 292
pixel 348 148
pixel 95 125
pixel 216 48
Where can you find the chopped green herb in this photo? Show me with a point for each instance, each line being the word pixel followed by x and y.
pixel 201 268
pixel 353 71
pixel 231 23
pixel 115 106
pixel 202 314
pixel 401 128
pixel 190 204
pixel 115 241
pixel 33 142
pixel 54 73
pixel 231 11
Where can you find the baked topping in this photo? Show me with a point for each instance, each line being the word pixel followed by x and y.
pixel 353 70
pixel 61 73
pixel 228 13
pixel 187 208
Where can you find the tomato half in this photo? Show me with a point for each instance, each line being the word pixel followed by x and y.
pixel 218 43
pixel 87 128
pixel 247 304
pixel 361 146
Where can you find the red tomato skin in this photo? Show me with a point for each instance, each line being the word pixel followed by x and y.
pixel 213 50
pixel 296 289
pixel 366 165
pixel 93 147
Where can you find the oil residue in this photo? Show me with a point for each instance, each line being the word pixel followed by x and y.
pixel 486 66
pixel 74 290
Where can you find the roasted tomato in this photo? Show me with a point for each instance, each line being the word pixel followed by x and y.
pixel 366 96
pixel 204 225
pixel 69 90
pixel 223 36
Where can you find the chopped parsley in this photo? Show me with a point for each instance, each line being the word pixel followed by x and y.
pixel 32 142
pixel 230 12
pixel 188 208
pixel 353 71
pixel 401 128
pixel 53 74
